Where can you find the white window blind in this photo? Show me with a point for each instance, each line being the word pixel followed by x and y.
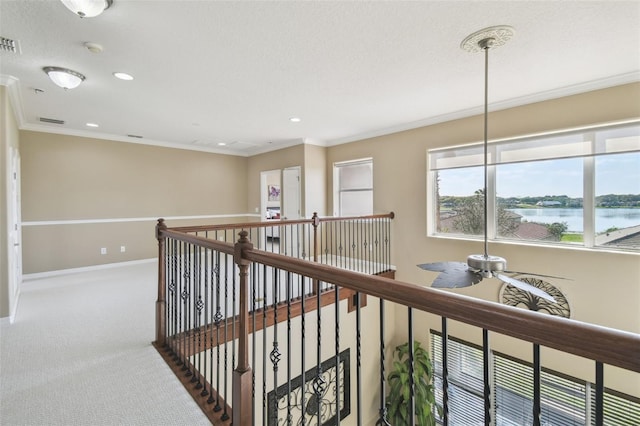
pixel 354 187
pixel 564 400
pixel 466 400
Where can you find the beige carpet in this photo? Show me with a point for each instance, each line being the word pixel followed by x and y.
pixel 79 353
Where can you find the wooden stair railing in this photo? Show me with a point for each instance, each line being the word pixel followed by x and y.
pixel 600 344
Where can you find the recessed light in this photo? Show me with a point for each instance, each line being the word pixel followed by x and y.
pixel 92 125
pixel 93 47
pixel 295 119
pixel 222 144
pixel 123 76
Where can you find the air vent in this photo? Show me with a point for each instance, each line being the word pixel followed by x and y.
pixel 8 45
pixel 51 120
pixel 135 136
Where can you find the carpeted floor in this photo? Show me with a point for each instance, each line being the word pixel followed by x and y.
pixel 79 353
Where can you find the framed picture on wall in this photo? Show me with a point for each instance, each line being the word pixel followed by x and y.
pixel 274 192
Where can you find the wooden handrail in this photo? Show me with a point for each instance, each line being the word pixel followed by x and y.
pixel 609 346
pixel 267 224
pixel 220 246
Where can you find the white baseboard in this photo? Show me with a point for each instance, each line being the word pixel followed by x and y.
pixel 47 274
pixel 14 309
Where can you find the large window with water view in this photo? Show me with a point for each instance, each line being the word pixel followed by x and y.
pixel 575 187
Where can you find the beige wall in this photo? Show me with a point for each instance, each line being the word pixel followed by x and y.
pixel 315 180
pixel 603 287
pixel 68 178
pixel 9 138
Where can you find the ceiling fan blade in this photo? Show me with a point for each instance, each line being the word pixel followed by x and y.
pixel 536 275
pixel 443 266
pixel 526 287
pixel 456 278
pixel 452 274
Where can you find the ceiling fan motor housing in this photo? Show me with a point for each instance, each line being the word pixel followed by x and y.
pixel 486 264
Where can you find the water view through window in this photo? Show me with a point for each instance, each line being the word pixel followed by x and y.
pixel 544 200
pixel 606 218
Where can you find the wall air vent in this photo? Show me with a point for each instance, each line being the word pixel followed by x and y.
pixel 8 45
pixel 51 120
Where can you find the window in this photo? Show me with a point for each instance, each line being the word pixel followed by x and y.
pixel 353 188
pixel 564 400
pixel 575 187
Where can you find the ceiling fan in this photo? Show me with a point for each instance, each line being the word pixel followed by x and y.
pixel 479 266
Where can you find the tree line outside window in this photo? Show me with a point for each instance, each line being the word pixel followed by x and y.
pixel 577 187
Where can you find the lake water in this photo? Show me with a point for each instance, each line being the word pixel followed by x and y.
pixel 605 218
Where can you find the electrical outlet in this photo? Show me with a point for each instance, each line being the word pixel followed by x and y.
pixel 123 249
pixel 103 250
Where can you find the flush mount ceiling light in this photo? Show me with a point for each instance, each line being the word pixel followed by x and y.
pixel 63 77
pixel 87 8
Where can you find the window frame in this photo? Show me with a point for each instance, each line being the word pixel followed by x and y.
pixel 337 189
pixel 588 150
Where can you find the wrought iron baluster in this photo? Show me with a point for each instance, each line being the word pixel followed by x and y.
pixel 198 313
pixel 254 283
pixel 173 286
pixel 234 293
pixel 342 242
pixel 192 302
pixel 303 351
pixel 412 381
pixel 218 321
pixel 183 282
pixel 361 246
pixel 382 419
pixel 599 394
pixel 289 358
pixel 318 381
pixel 264 346
pixel 445 373
pixel 337 353
pixel 536 384
pixel 486 362
pixel 207 318
pixel 358 360
pixel 188 309
pixel 275 354
pixel 225 414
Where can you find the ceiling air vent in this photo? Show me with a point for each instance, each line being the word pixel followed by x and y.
pixel 135 136
pixel 8 45
pixel 51 120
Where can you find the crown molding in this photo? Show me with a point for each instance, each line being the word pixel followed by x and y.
pixel 575 89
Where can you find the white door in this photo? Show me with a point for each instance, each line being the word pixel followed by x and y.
pixel 291 243
pixel 291 193
pixel 15 233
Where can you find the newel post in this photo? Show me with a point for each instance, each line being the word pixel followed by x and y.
pixel 242 381
pixel 315 221
pixel 161 301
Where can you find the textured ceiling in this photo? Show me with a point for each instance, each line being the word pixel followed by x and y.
pixel 235 72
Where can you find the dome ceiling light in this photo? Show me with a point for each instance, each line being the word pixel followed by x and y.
pixel 63 77
pixel 87 8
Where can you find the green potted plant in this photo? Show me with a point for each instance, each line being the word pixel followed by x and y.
pixel 399 387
